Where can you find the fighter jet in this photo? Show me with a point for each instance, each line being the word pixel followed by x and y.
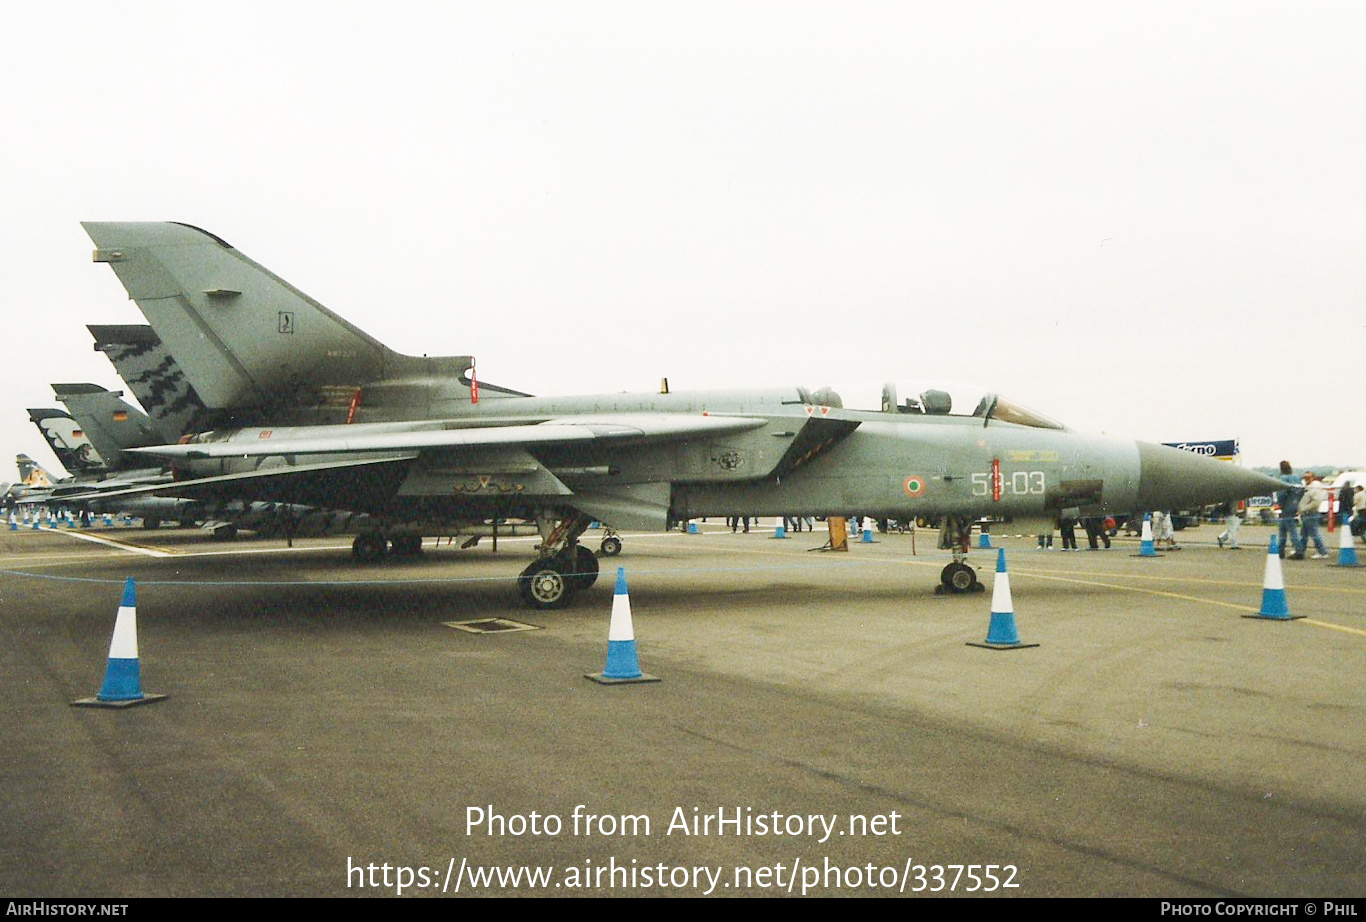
pixel 341 421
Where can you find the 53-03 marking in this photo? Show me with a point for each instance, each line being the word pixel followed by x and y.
pixel 1021 483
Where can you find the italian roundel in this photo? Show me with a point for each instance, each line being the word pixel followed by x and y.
pixel 914 485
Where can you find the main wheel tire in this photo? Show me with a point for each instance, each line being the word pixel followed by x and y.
pixel 585 568
pixel 544 585
pixel 611 546
pixel 368 548
pixel 407 545
pixel 151 522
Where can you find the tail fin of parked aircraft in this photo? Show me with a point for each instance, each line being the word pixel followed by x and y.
pixel 31 473
pixel 248 340
pixel 154 377
pixel 68 441
pixel 111 424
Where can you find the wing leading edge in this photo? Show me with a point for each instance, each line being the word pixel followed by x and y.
pixel 337 440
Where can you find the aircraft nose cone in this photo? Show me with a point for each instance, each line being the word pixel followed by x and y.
pixel 1170 478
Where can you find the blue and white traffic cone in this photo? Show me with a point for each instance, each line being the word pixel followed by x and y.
pixel 623 665
pixel 693 529
pixel 867 531
pixel 984 541
pixel 1146 548
pixel 1274 605
pixel 1001 633
pixel 123 676
pixel 780 530
pixel 13 522
pixel 1347 547
pixel 108 520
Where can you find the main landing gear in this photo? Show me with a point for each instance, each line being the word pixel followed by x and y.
pixel 565 566
pixel 371 546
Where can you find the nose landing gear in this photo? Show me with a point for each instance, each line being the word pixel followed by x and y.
pixel 958 577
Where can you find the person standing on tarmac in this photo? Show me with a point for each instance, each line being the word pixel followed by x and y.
pixel 1288 498
pixel 1095 532
pixel 1314 496
pixel 1233 520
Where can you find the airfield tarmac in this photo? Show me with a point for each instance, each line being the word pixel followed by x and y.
pixel 1156 743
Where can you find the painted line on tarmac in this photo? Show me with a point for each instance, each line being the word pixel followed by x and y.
pixel 1334 627
pixel 55 560
pixel 1296 587
pixel 236 551
pixel 110 542
pixel 1186 598
pixel 1084 582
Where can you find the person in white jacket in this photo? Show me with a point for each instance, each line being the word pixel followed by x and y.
pixel 1314 496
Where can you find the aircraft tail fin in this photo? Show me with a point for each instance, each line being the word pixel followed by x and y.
pixel 31 473
pixel 111 424
pixel 68 441
pixel 244 336
pixel 155 378
pixel 251 343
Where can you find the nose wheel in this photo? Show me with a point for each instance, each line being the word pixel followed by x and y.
pixel 956 578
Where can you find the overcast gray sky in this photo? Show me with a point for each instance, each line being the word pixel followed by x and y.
pixel 1140 218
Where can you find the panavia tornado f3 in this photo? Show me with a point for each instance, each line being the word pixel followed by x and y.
pixel 306 408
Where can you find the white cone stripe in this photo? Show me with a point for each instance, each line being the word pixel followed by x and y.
pixel 1345 538
pixel 1147 530
pixel 125 642
pixel 621 628
pixel 1000 595
pixel 1274 578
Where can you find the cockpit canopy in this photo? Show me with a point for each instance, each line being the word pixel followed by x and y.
pixel 926 399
